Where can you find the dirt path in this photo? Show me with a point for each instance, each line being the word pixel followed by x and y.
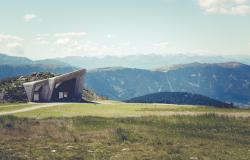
pixel 31 108
pixel 12 105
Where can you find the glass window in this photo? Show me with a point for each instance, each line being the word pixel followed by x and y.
pixel 65 94
pixel 60 95
pixel 36 97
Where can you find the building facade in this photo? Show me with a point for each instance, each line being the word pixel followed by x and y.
pixel 64 88
pixel 1 96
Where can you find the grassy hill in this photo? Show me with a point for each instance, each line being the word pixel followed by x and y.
pixel 114 130
pixel 179 98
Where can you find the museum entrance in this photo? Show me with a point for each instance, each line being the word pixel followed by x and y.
pixel 64 91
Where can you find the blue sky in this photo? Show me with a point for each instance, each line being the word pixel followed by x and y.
pixel 55 28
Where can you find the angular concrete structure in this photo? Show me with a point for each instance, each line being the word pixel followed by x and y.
pixel 64 88
pixel 2 97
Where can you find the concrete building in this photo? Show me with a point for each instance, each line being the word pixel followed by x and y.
pixel 64 88
pixel 1 96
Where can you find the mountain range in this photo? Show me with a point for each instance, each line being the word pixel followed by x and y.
pixel 18 61
pixel 11 66
pixel 139 61
pixel 148 61
pixel 227 81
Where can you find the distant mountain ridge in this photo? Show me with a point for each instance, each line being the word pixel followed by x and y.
pixel 22 70
pixel 18 61
pixel 183 98
pixel 11 66
pixel 197 64
pixel 148 61
pixel 13 60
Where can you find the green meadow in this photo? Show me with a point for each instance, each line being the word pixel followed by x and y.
pixel 116 110
pixel 118 131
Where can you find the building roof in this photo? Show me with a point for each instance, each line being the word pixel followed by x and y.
pixel 62 77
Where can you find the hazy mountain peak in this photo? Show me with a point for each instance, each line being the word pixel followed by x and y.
pixel 13 60
pixel 106 69
pixel 231 65
pixel 197 64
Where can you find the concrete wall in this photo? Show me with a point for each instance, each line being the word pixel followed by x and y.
pixel 1 97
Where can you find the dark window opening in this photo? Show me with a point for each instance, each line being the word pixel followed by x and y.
pixel 64 91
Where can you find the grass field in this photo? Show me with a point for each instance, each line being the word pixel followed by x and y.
pixel 127 110
pixel 126 131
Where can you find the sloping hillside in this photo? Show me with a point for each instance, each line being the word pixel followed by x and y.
pixel 223 81
pixel 179 98
pixel 124 83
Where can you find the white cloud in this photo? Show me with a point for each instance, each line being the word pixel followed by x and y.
pixel 63 41
pixel 43 35
pixel 161 44
pixel 233 7
pixel 78 47
pixel 160 47
pixel 29 17
pixel 126 44
pixel 14 45
pixel 11 44
pixel 41 40
pixel 109 36
pixel 14 48
pixel 6 37
pixel 71 34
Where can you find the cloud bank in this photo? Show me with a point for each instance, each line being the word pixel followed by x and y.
pixel 29 17
pixel 71 34
pixel 227 7
pixel 6 37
